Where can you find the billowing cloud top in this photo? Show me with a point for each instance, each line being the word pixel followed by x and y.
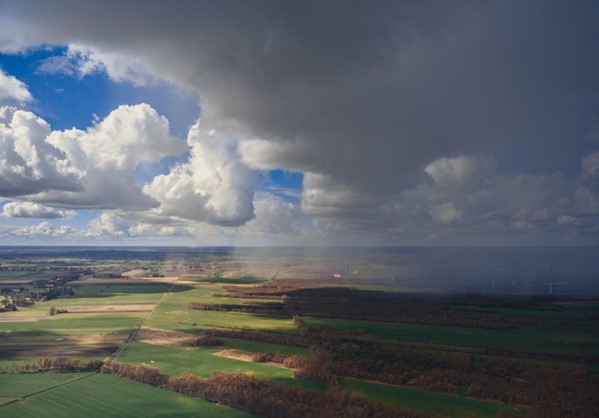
pixel 403 116
pixel 12 90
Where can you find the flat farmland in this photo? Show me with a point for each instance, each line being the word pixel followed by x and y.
pixel 446 405
pixel 29 347
pixel 582 308
pixel 98 320
pixel 71 324
pixel 21 385
pixel 173 313
pixel 432 359
pixel 199 361
pixel 261 347
pixel 113 295
pixel 202 361
pixel 103 396
pixel 584 342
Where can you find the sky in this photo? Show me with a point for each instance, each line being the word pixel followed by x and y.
pixel 299 123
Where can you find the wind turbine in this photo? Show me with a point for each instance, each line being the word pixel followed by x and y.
pixel 493 280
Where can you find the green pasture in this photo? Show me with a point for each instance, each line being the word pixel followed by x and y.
pixel 173 313
pixel 104 396
pixel 76 324
pixel 583 308
pixel 581 341
pixel 447 405
pixel 24 384
pixel 201 361
pixel 194 321
pixel 548 313
pixel 113 295
pixel 203 293
pixel 225 280
pixel 260 347
pixel 28 275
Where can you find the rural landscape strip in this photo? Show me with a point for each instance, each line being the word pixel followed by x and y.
pixel 136 331
pixel 324 342
pixel 75 380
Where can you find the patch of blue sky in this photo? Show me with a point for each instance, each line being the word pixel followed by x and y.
pixel 284 184
pixel 69 101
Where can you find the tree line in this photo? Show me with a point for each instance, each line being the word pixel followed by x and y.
pixel 262 397
pixel 467 310
pixel 57 364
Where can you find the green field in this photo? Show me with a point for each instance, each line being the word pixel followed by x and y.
pixel 557 314
pixel 70 324
pixel 103 326
pixel 104 396
pixel 260 347
pixel 27 275
pixel 453 406
pixel 202 362
pixel 223 280
pixel 21 385
pixel 579 342
pixel 582 308
pixel 113 295
pixel 173 313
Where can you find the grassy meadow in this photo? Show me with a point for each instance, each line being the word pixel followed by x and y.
pixel 101 396
pixel 580 342
pixel 443 404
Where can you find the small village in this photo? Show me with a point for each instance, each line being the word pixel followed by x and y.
pixel 13 298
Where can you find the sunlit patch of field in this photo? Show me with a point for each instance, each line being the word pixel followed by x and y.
pixel 71 309
pixel 159 336
pixel 243 356
pixel 173 313
pixel 132 273
pixel 21 316
pixel 75 324
pixel 53 341
pixel 169 279
pixel 144 294
pixel 262 347
pixel 202 361
pixel 102 396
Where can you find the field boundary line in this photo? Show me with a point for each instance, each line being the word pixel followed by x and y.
pixel 136 331
pixel 22 398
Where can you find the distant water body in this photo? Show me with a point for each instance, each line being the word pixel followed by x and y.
pixel 539 270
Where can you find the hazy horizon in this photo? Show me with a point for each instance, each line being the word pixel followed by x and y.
pixel 506 270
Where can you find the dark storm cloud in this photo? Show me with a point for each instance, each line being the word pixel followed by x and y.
pixel 369 91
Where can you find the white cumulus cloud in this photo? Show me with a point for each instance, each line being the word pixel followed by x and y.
pixel 214 186
pixel 29 164
pixel 107 154
pixel 34 210
pixel 44 229
pixel 12 89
